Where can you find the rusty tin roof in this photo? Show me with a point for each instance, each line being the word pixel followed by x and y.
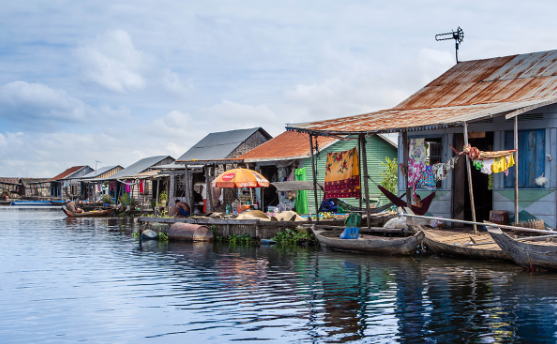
pixel 286 146
pixel 468 91
pixel 67 172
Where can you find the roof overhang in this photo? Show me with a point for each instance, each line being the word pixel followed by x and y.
pixel 210 162
pixel 407 120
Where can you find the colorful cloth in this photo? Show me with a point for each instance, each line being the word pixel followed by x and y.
pixel 128 188
pixel 475 154
pixel 416 163
pixel 441 170
pixel 301 204
pixel 342 175
pixel 141 187
pixel 428 180
pixel 478 164
pixel 487 167
pixel 501 164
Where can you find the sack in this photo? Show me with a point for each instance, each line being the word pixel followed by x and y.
pixel 353 220
pixel 350 233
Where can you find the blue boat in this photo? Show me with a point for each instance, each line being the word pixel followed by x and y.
pixel 31 203
pixel 58 202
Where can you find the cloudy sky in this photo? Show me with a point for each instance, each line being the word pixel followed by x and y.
pixel 116 81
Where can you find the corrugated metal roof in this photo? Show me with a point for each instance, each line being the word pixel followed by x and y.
pixel 9 180
pixel 468 91
pixel 67 172
pixel 139 166
pixel 98 172
pixel 286 146
pixel 219 145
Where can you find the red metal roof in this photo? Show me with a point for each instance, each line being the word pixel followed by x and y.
pixel 468 91
pixel 9 180
pixel 67 172
pixel 288 145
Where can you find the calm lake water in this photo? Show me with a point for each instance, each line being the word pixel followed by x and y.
pixel 86 280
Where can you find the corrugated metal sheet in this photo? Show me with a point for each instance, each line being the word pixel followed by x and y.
pixel 139 166
pixel 67 173
pixel 219 145
pixel 468 91
pixel 8 180
pixel 286 146
pixel 99 172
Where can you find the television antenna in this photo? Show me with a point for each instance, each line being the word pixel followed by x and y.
pixel 457 35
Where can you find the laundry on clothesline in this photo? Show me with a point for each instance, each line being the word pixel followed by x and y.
pixel 476 154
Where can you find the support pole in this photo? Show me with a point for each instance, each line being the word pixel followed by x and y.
pixel 187 188
pixel 470 186
pixel 157 198
pixel 366 177
pixel 314 178
pixel 209 189
pixel 405 164
pixel 516 216
pixel 360 159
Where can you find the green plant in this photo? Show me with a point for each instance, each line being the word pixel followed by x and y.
pixel 136 235
pixel 390 175
pixel 163 197
pixel 108 199
pixel 236 239
pixel 290 236
pixel 163 237
pixel 124 199
pixel 153 203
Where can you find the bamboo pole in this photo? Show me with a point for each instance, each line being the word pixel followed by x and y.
pixel 360 159
pixel 470 186
pixel 516 215
pixel 187 188
pixel 208 181
pixel 405 164
pixel 314 178
pixel 157 197
pixel 366 182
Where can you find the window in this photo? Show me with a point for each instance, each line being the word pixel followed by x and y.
pixel 531 156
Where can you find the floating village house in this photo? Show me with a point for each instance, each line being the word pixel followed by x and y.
pixel 66 185
pixel 208 158
pixel 495 104
pixel 93 182
pixel 137 180
pixel 278 158
pixel 9 184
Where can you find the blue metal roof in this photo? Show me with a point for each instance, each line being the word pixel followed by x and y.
pixel 219 145
pixel 99 171
pixel 139 166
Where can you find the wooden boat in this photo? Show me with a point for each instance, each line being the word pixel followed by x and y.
pixel 458 244
pixel 387 246
pixel 94 213
pixel 531 254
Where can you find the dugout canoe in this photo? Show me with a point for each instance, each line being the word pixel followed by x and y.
pixel 94 213
pixel 372 244
pixel 530 254
pixel 463 244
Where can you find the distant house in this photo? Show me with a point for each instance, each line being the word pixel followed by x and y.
pixel 211 155
pixel 136 179
pixel 92 182
pixel 66 185
pixel 277 158
pixel 34 187
pixel 9 184
pixel 488 97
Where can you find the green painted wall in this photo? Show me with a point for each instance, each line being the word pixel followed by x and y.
pixel 377 151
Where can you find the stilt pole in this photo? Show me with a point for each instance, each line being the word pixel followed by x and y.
pixel 516 215
pixel 405 164
pixel 314 178
pixel 366 182
pixel 470 186
pixel 360 159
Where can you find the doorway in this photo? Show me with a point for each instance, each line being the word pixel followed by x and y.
pixel 482 184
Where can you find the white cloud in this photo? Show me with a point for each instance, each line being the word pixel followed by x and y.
pixel 112 62
pixel 433 63
pixel 174 125
pixel 172 83
pixel 3 141
pixel 38 107
pixel 228 115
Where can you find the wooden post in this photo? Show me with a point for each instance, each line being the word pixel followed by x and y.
pixel 405 164
pixel 360 160
pixel 516 216
pixel 366 182
pixel 208 181
pixel 187 188
pixel 314 178
pixel 470 186
pixel 157 198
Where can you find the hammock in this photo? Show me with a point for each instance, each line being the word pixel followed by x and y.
pixel 426 202
pixel 349 207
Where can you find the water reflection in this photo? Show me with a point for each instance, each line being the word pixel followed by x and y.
pixel 88 279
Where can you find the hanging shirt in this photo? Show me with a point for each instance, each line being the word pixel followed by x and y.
pixel 478 164
pixel 501 164
pixel 428 180
pixel 487 166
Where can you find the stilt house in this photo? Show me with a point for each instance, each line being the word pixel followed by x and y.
pixel 494 104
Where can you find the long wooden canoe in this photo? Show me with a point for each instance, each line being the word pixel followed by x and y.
pixel 529 254
pixel 458 244
pixel 94 213
pixel 386 246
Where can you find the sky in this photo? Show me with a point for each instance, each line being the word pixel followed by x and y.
pixel 110 82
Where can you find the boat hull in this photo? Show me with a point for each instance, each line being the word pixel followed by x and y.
pixel 99 213
pixel 452 249
pixel 31 203
pixel 528 255
pixel 385 246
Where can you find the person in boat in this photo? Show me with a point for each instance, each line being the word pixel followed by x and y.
pixel 73 208
pixel 180 210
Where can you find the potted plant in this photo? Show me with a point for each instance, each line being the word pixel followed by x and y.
pixel 107 200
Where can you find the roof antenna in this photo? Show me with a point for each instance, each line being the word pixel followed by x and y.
pixel 457 35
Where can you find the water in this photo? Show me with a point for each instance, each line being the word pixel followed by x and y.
pixel 87 280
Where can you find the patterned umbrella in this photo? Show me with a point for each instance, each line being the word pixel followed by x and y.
pixel 240 178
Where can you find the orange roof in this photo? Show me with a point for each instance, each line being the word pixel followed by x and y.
pixel 288 145
pixel 9 180
pixel 67 172
pixel 468 91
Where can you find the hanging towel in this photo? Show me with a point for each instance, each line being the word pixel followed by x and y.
pixel 428 180
pixel 141 187
pixel 488 165
pixel 342 175
pixel 416 163
pixel 301 203
pixel 441 170
pixel 128 188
